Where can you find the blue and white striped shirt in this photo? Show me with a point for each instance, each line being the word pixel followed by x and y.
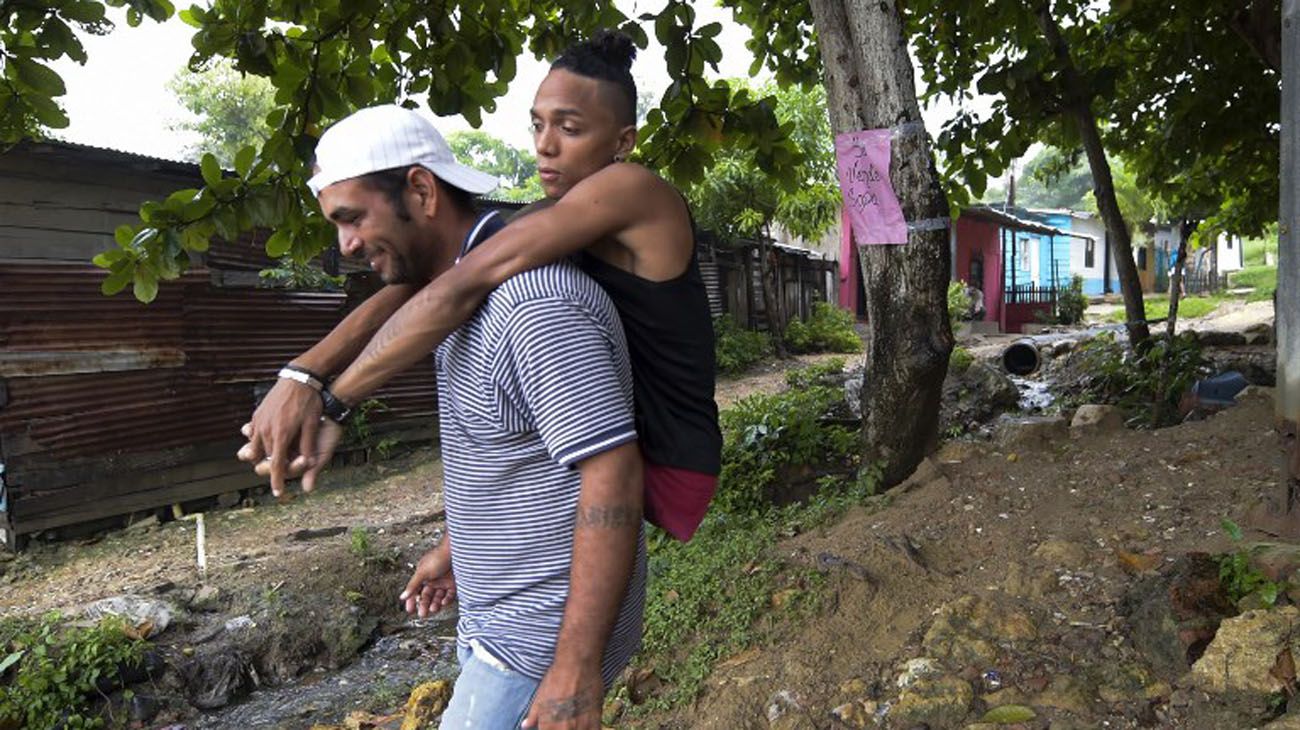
pixel 537 380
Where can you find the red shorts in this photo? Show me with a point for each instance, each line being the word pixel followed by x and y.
pixel 676 499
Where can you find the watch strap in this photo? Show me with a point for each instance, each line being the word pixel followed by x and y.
pixel 333 408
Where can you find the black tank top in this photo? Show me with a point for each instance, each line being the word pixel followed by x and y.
pixel 670 345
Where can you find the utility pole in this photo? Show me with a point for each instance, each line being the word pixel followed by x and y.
pixel 1283 519
pixel 1287 306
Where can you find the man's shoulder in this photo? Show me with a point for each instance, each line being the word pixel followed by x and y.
pixel 556 282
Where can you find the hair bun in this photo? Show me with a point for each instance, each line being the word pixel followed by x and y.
pixel 615 47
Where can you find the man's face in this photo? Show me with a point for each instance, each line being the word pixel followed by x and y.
pixel 575 129
pixel 371 230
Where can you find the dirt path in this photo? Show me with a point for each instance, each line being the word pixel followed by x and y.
pixel 1023 556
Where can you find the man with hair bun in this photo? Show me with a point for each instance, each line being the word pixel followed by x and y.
pixel 629 230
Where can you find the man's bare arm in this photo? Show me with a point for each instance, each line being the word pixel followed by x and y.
pixel 604 554
pixel 607 204
pixel 287 418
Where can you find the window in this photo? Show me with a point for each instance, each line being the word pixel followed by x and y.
pixel 1229 243
pixel 1142 259
pixel 1089 253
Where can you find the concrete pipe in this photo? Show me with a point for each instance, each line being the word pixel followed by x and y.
pixel 1021 357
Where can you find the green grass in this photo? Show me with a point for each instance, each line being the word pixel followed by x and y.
pixel 1157 307
pixel 1263 279
pixel 1255 248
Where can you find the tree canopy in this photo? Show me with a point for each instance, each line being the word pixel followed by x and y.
pixel 229 108
pixel 516 168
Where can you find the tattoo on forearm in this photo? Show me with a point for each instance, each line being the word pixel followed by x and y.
pixel 567 708
pixel 608 516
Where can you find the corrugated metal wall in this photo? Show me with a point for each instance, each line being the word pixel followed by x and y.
pixel 114 406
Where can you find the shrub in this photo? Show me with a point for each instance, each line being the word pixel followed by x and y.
pixel 1071 303
pixel 737 348
pixel 56 667
pixel 827 329
pixel 960 360
pixel 1150 383
pixel 763 434
pixel 815 374
pixel 959 303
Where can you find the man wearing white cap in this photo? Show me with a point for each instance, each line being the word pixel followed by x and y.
pixel 543 478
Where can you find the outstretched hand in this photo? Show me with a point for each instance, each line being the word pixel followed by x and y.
pixel 432 586
pixel 287 438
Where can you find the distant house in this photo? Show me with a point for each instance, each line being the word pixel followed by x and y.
pixel 1018 263
pixel 109 406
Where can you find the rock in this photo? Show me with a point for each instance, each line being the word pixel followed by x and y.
pixel 1172 616
pixel 860 714
pixel 1277 561
pixel 1062 554
pixel 781 704
pixel 143 708
pixel 1097 418
pixel 938 702
pixel 1008 715
pixel 1127 683
pixel 1253 392
pixel 1068 693
pixel 975 396
pixel 927 471
pixel 1244 652
pixel 426 704
pixel 240 623
pixel 226 500
pixel 1217 338
pixel 1289 721
pixel 1023 432
pixel 914 669
pixel 206 598
pixel 218 678
pixel 970 629
pixel 855 687
pixel 149 616
pixel 1260 333
pixel 144 523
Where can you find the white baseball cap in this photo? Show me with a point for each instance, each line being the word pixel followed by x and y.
pixel 388 136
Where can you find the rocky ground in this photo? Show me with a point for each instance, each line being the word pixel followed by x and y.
pixel 1030 575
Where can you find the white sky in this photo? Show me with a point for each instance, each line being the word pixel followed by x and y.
pixel 119 99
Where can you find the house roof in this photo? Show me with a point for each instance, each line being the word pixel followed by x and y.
pixel 1007 220
pixel 77 152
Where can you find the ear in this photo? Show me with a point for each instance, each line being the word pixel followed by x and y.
pixel 626 142
pixel 422 191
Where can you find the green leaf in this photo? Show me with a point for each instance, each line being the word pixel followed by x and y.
pixel 210 169
pixel 146 285
pixel 38 76
pixel 278 244
pixel 123 235
pixel 244 160
pixel 1232 528
pixel 11 660
pixel 116 281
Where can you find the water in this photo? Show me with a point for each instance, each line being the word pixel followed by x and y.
pixel 1035 395
pixel 420 652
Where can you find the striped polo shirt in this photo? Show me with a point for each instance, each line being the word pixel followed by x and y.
pixel 537 380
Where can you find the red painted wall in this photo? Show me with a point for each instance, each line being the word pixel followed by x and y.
pixel 975 236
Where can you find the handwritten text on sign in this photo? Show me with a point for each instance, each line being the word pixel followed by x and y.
pixel 862 160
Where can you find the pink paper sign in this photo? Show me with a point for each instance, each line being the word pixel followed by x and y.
pixel 862 160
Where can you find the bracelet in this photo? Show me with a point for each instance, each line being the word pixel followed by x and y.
pixel 299 375
pixel 333 408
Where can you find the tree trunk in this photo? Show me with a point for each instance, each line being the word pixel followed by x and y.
pixel 771 300
pixel 1176 279
pixel 869 85
pixel 1103 186
pixel 1161 405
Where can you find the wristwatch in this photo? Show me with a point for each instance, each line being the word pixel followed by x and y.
pixel 333 408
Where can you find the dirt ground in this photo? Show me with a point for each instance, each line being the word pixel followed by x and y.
pixel 1047 529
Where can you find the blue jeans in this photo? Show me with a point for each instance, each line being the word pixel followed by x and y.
pixel 487 696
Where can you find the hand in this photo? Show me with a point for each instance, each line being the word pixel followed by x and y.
pixel 568 697
pixel 432 586
pixel 312 461
pixel 290 411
